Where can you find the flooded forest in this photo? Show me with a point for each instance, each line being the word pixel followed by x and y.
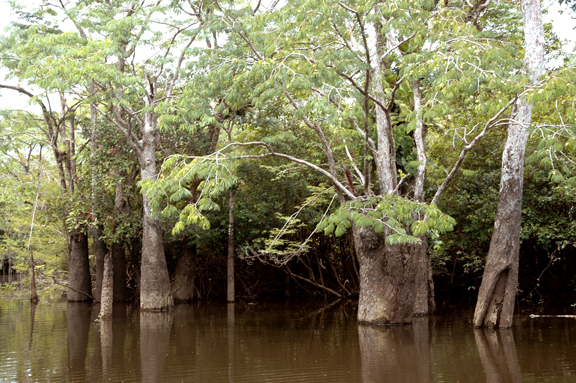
pixel 274 185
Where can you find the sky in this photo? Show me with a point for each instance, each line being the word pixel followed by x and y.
pixel 562 22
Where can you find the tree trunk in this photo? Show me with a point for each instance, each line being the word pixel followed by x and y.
pixel 424 303
pixel 99 245
pixel 33 291
pixel 230 264
pixel 495 306
pixel 155 294
pixel 183 287
pixel 99 253
pixel 387 279
pixel 119 267
pixel 424 283
pixel 106 304
pixel 78 268
pixel 118 252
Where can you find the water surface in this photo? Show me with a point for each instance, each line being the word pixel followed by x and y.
pixel 307 342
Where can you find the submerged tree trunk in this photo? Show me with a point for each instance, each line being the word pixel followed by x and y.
pixel 497 294
pixel 387 279
pixel 183 287
pixel 79 282
pixel 155 292
pixel 107 288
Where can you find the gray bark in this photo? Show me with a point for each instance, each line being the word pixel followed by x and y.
pixel 155 292
pixel 497 294
pixel 106 305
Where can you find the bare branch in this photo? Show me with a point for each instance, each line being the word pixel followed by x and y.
pixel 489 125
pixel 339 186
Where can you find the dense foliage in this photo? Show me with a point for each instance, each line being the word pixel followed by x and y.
pixel 276 103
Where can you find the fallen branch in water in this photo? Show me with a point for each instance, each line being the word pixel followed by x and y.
pixel 71 288
pixel 552 316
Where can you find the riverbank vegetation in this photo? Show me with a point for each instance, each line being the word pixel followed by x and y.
pixel 181 150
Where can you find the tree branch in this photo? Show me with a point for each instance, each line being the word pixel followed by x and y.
pixel 491 123
pixel 339 186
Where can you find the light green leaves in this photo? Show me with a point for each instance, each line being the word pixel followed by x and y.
pixel 401 219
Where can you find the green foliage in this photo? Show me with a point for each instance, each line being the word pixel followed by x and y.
pixel 390 214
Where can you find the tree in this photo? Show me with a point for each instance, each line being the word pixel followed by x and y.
pixel 336 72
pixel 135 98
pixel 497 295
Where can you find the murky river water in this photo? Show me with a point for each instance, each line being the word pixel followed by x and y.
pixel 311 342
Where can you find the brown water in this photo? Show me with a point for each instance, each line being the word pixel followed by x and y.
pixel 311 342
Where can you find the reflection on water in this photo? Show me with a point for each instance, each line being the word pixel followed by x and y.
pixel 273 343
pixel 78 315
pixel 154 342
pixel 396 353
pixel 498 355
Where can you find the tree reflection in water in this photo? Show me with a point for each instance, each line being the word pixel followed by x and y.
pixel 396 353
pixel 78 316
pixel 155 328
pixel 498 355
pixel 230 324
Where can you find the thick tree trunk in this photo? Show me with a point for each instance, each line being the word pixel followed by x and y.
pixel 183 287
pixel 78 268
pixel 387 279
pixel 106 304
pixel 155 293
pixel 424 303
pixel 99 253
pixel 230 264
pixel 495 306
